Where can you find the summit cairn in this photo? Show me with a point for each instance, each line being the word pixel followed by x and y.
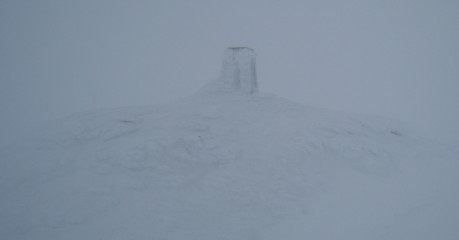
pixel 238 70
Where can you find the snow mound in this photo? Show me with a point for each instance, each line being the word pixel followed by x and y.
pixel 228 166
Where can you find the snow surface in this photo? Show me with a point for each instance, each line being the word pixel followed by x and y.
pixel 227 165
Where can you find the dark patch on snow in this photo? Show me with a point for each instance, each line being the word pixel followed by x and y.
pixel 396 133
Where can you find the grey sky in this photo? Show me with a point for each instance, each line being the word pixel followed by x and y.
pixel 393 58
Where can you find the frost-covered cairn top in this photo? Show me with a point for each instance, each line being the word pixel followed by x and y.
pixel 238 70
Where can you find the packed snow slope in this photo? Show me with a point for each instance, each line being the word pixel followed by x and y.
pixel 227 165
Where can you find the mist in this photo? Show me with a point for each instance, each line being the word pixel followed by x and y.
pixel 397 59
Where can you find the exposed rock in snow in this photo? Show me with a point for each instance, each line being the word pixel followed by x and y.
pixel 238 70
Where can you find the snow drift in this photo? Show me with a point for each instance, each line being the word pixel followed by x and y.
pixel 228 163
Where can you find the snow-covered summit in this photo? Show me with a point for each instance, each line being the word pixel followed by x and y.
pixel 228 166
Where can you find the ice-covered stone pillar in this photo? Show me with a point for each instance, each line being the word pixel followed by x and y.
pixel 238 70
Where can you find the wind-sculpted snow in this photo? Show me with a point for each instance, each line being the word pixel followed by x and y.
pixel 227 166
